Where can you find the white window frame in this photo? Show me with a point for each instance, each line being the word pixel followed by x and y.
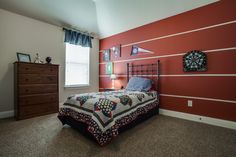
pixel 78 85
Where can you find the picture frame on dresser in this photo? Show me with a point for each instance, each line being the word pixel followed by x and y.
pixel 23 57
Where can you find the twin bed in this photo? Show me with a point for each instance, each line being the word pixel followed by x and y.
pixel 103 115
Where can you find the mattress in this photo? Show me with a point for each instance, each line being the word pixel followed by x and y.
pixel 106 112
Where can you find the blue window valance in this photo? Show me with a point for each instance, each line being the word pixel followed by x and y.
pixel 77 38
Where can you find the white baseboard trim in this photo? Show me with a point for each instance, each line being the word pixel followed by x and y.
pixel 199 118
pixel 7 114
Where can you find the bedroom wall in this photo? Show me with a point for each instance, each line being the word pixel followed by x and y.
pixel 26 35
pixel 211 29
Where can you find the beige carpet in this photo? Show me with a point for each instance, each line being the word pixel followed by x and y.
pixel 160 136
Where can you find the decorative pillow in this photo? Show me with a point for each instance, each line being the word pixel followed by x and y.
pixel 139 84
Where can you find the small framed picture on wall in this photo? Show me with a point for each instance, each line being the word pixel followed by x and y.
pixel 116 51
pixel 106 55
pixel 134 50
pixel 109 68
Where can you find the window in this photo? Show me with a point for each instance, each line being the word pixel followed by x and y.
pixel 77 66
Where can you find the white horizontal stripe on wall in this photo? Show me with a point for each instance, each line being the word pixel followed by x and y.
pixel 179 75
pixel 172 55
pixel 199 118
pixel 201 75
pixel 180 33
pixel 192 97
pixel 198 98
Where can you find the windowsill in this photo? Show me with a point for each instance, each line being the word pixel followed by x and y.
pixel 77 86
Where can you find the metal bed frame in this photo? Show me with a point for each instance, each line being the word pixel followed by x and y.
pixel 145 70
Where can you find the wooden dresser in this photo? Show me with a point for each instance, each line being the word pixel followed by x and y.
pixel 36 89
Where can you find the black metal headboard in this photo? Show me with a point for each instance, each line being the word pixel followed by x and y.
pixel 145 70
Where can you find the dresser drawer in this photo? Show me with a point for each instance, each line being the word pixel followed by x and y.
pixel 37 89
pixel 37 110
pixel 52 70
pixel 37 79
pixel 37 69
pixel 37 99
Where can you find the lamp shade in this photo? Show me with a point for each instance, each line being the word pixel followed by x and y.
pixel 113 76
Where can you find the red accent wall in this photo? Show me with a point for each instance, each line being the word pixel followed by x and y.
pixel 209 35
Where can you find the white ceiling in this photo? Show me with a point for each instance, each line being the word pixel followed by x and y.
pixel 103 17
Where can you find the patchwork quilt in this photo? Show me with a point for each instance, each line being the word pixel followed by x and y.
pixel 105 112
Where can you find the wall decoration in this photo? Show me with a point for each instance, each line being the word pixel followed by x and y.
pixel 106 55
pixel 22 57
pixel 195 61
pixel 134 50
pixel 138 50
pixel 116 51
pixel 109 68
